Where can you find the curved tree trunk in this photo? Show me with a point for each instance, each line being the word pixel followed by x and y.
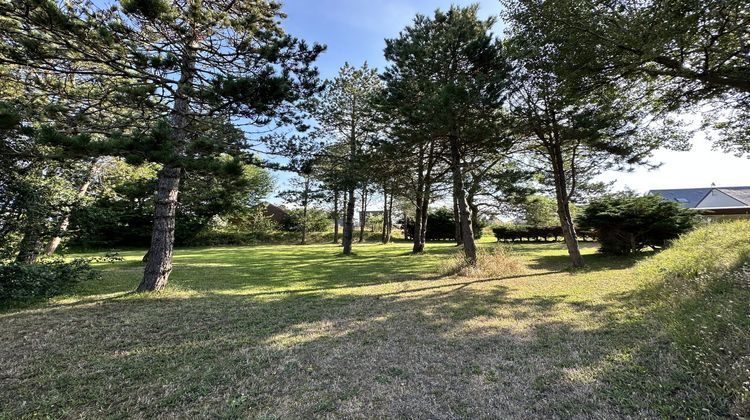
pixel 563 208
pixel 459 193
pixel 62 227
pixel 348 237
pixel 159 264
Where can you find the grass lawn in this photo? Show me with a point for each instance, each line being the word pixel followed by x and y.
pixel 301 331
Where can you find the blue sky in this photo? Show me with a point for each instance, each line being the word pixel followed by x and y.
pixel 355 30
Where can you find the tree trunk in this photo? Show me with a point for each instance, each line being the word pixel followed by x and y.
pixel 417 235
pixel 425 217
pixel 304 210
pixel 349 223
pixel 335 217
pixel 29 248
pixel 363 216
pixel 62 227
pixel 474 213
pixel 563 208
pixel 384 236
pixel 459 193
pixel 159 264
pixel 457 221
pixel 389 231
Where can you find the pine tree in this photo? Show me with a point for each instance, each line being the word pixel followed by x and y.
pixel 180 70
pixel 448 75
pixel 574 127
pixel 347 116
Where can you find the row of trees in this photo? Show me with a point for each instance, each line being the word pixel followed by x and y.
pixel 575 88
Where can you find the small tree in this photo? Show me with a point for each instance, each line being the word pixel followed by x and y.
pixel 304 192
pixel 627 224
pixel 347 116
pixel 541 210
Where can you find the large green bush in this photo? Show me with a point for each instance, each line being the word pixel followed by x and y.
pixel 441 226
pixel 22 282
pixel 626 224
pixel 317 220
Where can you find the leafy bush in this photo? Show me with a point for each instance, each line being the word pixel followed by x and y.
pixel 626 224
pixel 441 226
pixel 20 282
pixel 529 233
pixel 317 220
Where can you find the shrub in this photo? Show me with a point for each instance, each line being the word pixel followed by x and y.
pixel 520 232
pixel 441 226
pixel 626 224
pixel 21 282
pixel 317 220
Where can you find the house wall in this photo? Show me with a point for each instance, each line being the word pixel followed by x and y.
pixel 717 199
pixel 726 217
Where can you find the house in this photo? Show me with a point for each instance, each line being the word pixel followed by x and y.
pixel 724 202
pixel 275 213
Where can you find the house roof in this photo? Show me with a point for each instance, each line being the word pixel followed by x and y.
pixel 692 197
pixel 686 197
pixel 741 194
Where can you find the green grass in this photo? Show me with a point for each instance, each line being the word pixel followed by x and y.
pixel 293 331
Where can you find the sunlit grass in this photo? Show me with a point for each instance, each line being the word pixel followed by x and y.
pixel 302 331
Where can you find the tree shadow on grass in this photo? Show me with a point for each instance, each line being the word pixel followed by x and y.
pixel 457 349
pixel 594 262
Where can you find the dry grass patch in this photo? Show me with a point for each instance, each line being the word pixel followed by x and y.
pixel 492 262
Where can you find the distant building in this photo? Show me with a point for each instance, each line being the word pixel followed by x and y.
pixel 732 202
pixel 275 213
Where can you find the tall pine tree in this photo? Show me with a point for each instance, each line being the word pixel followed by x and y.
pixel 183 69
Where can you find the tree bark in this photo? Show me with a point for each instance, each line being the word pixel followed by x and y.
pixel 363 216
pixel 389 221
pixel 416 235
pixel 384 236
pixel 459 193
pixel 418 246
pixel 474 212
pixel 335 217
pixel 29 248
pixel 348 237
pixel 305 200
pixel 425 216
pixel 62 227
pixel 457 221
pixel 159 264
pixel 563 208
